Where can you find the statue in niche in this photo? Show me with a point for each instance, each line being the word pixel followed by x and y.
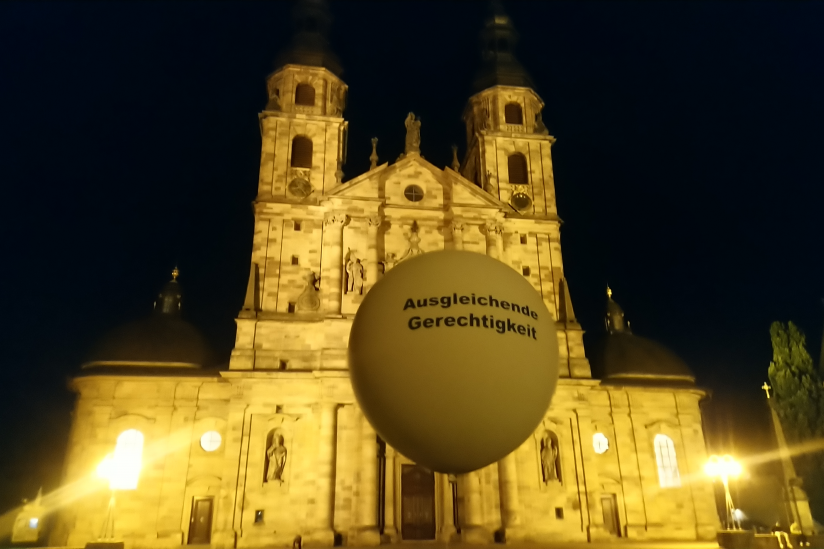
pixel 276 458
pixel 309 299
pixel 413 134
pixel 354 274
pixel 550 463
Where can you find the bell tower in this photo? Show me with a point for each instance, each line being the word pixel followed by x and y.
pixel 508 146
pixel 509 156
pixel 302 126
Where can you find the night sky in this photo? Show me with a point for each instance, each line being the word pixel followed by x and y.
pixel 687 168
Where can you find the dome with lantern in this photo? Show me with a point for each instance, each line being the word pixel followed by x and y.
pixel 623 357
pixel 162 339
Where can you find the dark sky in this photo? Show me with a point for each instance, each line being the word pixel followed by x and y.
pixel 687 166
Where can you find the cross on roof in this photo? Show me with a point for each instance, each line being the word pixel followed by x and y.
pixel 766 389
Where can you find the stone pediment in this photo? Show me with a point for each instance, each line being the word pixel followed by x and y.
pixel 441 188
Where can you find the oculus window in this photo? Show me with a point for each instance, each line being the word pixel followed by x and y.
pixel 413 193
pixel 600 443
pixel 210 441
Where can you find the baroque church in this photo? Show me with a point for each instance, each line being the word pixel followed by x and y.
pixel 273 450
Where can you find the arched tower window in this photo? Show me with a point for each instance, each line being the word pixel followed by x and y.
pixel 127 460
pixel 668 476
pixel 301 152
pixel 513 113
pixel 305 94
pixel 516 164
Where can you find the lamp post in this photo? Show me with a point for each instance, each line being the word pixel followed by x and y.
pixel 725 467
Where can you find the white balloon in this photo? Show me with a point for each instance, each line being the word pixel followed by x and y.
pixel 454 359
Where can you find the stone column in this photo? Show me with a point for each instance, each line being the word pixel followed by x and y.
pixel 374 224
pixel 367 530
pixel 448 529
pixel 472 529
pixel 389 528
pixel 510 502
pixel 332 262
pixel 457 235
pixel 494 245
pixel 322 531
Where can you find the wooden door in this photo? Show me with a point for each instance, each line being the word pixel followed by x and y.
pixel 417 503
pixel 200 525
pixel 610 509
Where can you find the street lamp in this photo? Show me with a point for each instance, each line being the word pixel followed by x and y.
pixel 725 467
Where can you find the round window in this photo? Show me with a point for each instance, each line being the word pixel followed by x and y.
pixel 521 201
pixel 413 193
pixel 600 443
pixel 210 441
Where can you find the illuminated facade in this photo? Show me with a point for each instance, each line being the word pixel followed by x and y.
pixel 275 447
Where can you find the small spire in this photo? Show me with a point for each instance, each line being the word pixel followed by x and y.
pixel 565 312
pixel 175 273
pixel 609 292
pixel 373 158
pixel 455 164
pixel 250 306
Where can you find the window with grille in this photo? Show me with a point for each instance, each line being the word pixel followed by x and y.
pixel 513 114
pixel 301 152
pixel 305 95
pixel 668 476
pixel 517 169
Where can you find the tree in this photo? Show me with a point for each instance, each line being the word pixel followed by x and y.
pixel 798 392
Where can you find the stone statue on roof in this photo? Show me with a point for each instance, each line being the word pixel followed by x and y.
pixel 413 134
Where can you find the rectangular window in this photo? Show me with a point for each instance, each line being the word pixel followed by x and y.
pixel 559 512
pixel 296 225
pixel 295 260
pixel 291 307
pixel 259 515
pixel 523 239
pixel 282 364
pixel 526 271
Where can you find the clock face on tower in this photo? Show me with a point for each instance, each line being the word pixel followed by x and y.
pixel 520 201
pixel 299 187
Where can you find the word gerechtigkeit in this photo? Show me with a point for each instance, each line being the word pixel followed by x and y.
pixel 471 321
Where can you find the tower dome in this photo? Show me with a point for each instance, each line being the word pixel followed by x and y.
pixel 161 340
pixel 623 357
pixel 499 66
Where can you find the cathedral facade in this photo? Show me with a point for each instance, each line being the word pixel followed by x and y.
pixel 274 448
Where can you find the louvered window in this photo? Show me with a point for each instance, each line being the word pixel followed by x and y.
pixel 517 169
pixel 305 95
pixel 301 152
pixel 513 114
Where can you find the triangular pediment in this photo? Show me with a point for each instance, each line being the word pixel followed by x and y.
pixel 413 182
